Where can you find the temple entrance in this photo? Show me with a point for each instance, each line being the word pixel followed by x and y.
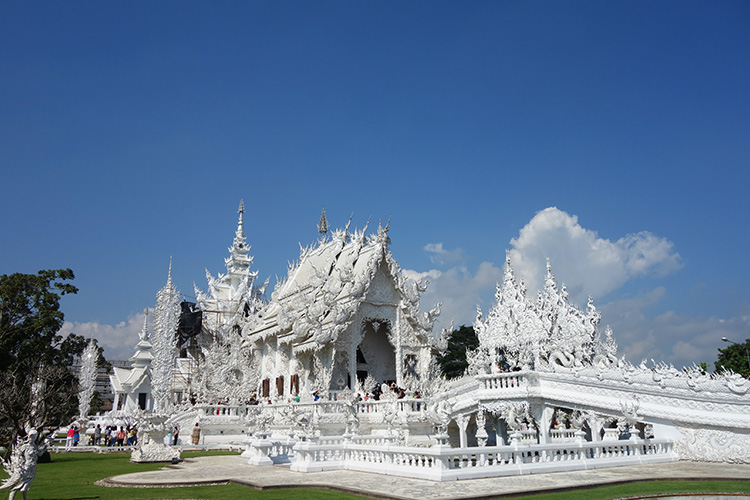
pixel 376 356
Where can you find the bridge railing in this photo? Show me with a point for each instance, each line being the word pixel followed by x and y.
pixel 510 380
pixel 323 406
pixel 444 463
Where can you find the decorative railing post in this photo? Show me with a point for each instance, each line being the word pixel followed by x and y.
pixel 259 450
pixel 580 436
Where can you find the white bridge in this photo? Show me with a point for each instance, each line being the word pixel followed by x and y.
pixel 504 424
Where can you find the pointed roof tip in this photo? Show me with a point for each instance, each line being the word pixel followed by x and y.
pixel 323 223
pixel 383 231
pixel 169 276
pixel 240 224
pixel 143 334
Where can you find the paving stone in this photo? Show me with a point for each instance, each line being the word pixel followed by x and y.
pixel 221 469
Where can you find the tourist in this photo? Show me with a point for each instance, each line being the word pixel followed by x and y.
pixel 196 434
pixel 97 435
pixel 120 437
pixel 176 435
pixel 69 439
pixel 76 436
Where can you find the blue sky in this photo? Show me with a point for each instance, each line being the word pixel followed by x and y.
pixel 130 131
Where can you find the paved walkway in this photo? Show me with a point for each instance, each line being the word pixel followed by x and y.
pixel 221 469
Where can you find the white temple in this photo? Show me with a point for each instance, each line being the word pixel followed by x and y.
pixel 545 390
pixel 132 387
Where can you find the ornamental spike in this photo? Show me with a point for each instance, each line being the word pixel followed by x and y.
pixel 143 335
pixel 241 223
pixel 323 224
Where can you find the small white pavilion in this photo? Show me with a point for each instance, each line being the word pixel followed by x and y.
pixel 132 386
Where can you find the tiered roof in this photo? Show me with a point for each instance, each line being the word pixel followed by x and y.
pixel 324 288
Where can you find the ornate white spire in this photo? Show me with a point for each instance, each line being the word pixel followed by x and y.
pixel 143 355
pixel 239 262
pixel 323 225
pixel 169 274
pixel 143 335
pixel 166 320
pixel 239 236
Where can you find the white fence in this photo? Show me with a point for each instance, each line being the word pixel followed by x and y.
pixel 441 463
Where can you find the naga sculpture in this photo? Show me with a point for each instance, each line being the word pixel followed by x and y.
pixel 21 467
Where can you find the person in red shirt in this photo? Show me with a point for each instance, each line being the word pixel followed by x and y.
pixel 69 439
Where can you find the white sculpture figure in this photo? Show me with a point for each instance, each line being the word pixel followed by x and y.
pixel 151 447
pixel 21 467
pixel 481 432
pixel 166 318
pixel 441 416
pixel 87 378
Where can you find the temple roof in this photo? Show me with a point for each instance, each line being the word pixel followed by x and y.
pixel 323 290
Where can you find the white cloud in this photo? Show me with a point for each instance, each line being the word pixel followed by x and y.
pixel 441 256
pixel 459 291
pixel 417 276
pixel 586 263
pixel 671 337
pixel 117 340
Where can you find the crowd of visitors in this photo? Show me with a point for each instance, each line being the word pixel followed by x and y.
pixel 400 392
pixel 111 435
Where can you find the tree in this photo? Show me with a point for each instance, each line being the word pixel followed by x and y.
pixel 37 386
pixel 454 363
pixel 734 357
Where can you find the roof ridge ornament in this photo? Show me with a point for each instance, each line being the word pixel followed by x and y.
pixel 169 275
pixel 346 229
pixel 383 231
pixel 323 225
pixel 143 334
pixel 239 242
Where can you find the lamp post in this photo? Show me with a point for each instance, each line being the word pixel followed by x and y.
pixel 747 352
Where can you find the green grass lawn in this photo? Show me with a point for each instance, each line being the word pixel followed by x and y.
pixel 71 476
pixel 644 488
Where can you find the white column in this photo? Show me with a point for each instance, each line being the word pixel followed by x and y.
pixel 352 365
pixel 463 423
pixel 499 428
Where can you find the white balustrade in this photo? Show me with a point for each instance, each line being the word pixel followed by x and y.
pixel 611 434
pixel 512 380
pixel 562 435
pixel 443 463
